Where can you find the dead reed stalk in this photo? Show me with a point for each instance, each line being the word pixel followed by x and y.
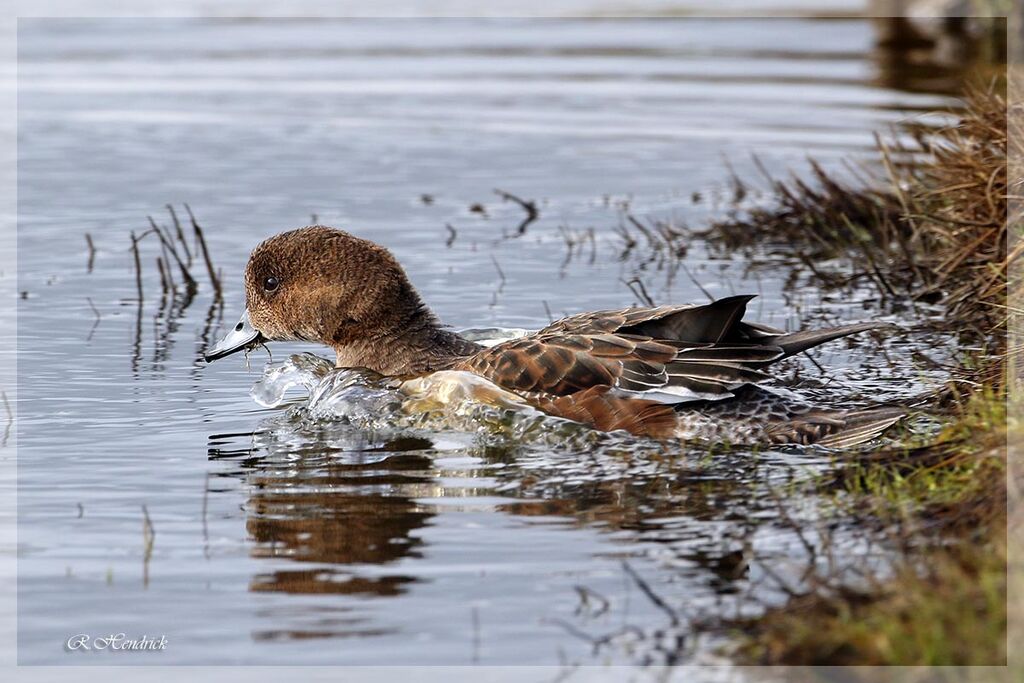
pixel 201 240
pixel 933 229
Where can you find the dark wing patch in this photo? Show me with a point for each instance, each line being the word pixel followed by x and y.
pixel 713 322
pixel 732 354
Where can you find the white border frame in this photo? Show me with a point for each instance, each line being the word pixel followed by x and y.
pixel 9 671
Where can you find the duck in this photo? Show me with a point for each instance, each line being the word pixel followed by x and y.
pixel 666 372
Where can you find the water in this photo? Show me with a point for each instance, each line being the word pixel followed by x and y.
pixel 276 537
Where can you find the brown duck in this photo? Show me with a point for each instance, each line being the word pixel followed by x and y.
pixel 664 372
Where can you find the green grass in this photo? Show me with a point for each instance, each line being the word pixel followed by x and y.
pixel 956 478
pixel 950 611
pixel 945 604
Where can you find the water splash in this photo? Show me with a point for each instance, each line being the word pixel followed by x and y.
pixel 444 401
pixel 304 369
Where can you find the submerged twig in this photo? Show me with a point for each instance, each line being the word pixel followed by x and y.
pixel 475 616
pixel 585 595
pixel 173 303
pixel 98 317
pixel 148 536
pixel 206 529
pixel 180 234
pixel 10 420
pixel 654 243
pixel 697 283
pixel 92 251
pixel 95 310
pixel 636 286
pixel 190 283
pixel 651 595
pixel 501 283
pixel 739 188
pixel 165 284
pixel 497 267
pixel 138 265
pixel 214 314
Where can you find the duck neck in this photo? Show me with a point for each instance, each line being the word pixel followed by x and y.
pixel 415 345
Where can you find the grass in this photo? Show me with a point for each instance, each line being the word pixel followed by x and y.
pixel 933 228
pixel 950 612
pixel 956 480
pixel 945 602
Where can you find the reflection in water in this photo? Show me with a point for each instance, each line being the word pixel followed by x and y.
pixel 340 506
pixel 347 510
pixel 937 54
pixel 336 508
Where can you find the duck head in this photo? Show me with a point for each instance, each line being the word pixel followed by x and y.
pixel 323 285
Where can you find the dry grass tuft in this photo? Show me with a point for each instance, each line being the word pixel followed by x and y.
pixel 955 207
pixel 933 229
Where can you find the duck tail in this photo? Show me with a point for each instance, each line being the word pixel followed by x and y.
pixel 795 342
pixel 862 426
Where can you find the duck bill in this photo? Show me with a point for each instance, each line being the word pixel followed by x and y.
pixel 242 337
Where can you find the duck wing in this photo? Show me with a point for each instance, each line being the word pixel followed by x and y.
pixel 668 354
pixel 718 322
pixel 631 365
pixel 603 409
pixel 711 322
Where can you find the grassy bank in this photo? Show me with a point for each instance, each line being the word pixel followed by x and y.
pixel 932 229
pixel 945 604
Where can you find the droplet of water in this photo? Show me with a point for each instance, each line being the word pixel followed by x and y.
pixel 304 369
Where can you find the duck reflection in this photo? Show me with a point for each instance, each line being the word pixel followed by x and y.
pixel 336 508
pixel 330 514
pixel 682 505
pixel 306 523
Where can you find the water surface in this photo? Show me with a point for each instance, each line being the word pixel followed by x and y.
pixel 277 538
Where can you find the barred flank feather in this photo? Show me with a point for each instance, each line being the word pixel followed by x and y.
pixel 862 426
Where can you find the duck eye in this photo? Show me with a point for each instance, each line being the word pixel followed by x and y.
pixel 270 284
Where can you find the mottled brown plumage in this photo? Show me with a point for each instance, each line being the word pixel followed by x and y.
pixel 686 370
pixel 350 294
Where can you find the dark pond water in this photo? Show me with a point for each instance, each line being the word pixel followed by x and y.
pixel 276 538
